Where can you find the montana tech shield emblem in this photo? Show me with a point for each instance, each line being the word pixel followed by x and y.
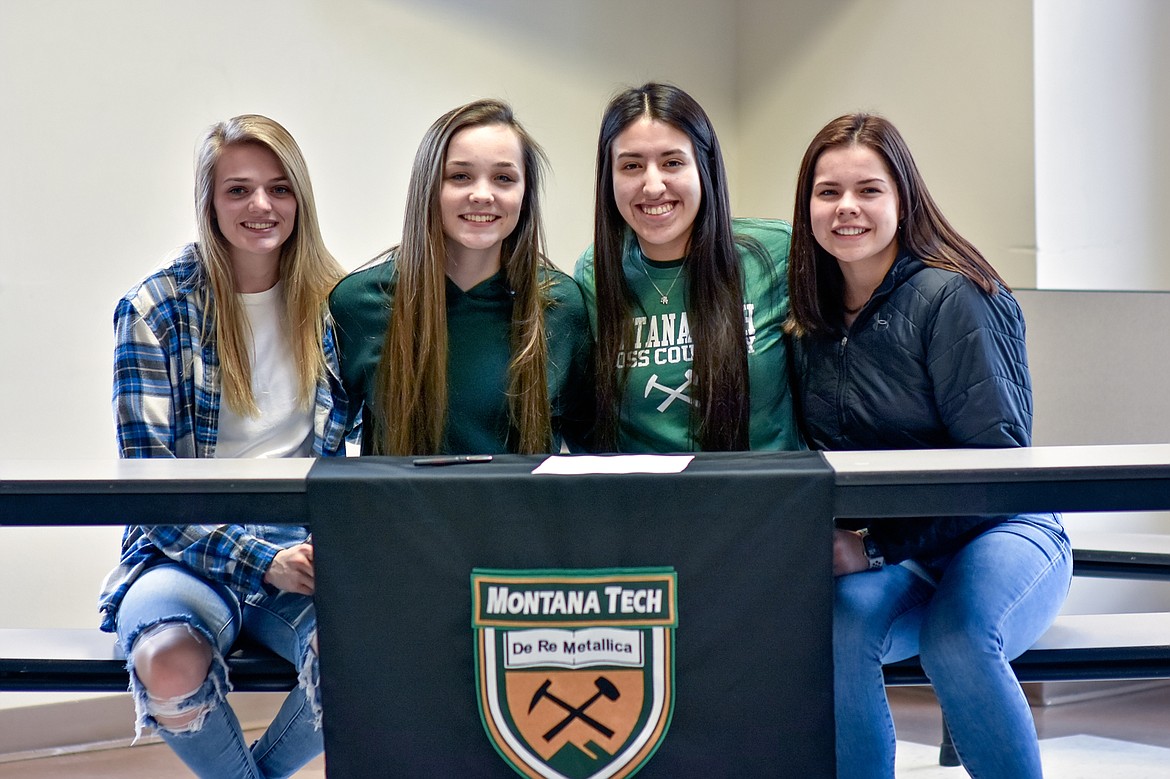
pixel 575 668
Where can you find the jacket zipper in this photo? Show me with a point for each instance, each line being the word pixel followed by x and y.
pixel 841 353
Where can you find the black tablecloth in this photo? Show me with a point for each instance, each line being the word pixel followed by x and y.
pixel 748 537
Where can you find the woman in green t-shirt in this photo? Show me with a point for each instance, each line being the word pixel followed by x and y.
pixel 688 304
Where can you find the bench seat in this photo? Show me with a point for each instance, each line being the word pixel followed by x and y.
pixel 1122 555
pixel 1077 647
pixel 88 660
pixel 1081 647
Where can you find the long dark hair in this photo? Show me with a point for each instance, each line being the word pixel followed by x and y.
pixel 412 375
pixel 815 284
pixel 714 277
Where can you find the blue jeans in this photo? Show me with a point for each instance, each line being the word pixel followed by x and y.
pixel 214 745
pixel 989 603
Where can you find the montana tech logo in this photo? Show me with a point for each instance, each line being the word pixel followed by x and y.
pixel 575 669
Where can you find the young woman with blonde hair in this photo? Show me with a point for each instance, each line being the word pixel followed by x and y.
pixel 227 352
pixel 463 338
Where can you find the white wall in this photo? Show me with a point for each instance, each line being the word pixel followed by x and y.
pixel 104 103
pixel 1102 119
pixel 954 76
pixel 1099 361
pixel 1103 391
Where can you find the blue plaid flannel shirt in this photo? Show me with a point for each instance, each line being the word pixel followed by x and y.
pixel 166 404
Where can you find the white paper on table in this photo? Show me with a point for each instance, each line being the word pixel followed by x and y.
pixel 619 463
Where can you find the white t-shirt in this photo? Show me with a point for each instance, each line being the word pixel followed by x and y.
pixel 283 428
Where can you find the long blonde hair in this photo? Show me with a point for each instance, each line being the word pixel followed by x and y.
pixel 411 385
pixel 307 268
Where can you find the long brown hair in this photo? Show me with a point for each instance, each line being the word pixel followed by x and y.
pixel 307 268
pixel 714 277
pixel 411 383
pixel 815 283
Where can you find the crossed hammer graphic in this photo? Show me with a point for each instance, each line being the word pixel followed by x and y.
pixel 671 394
pixel 605 689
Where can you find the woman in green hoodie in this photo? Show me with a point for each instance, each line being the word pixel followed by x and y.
pixel 464 339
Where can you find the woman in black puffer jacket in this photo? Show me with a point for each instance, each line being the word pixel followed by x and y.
pixel 906 338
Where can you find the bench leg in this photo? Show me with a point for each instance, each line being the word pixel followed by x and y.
pixel 947 756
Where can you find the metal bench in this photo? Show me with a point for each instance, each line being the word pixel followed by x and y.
pixel 1081 647
pixel 88 660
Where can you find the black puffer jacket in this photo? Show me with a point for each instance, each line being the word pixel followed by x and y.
pixel 931 362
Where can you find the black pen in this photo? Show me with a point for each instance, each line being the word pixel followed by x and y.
pixel 454 459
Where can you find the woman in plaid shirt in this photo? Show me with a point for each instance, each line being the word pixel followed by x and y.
pixel 239 317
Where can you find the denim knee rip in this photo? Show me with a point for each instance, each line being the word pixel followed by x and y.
pixel 205 698
pixel 309 679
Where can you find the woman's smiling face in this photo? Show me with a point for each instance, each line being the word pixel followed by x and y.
pixel 255 207
pixel 483 189
pixel 657 187
pixel 854 208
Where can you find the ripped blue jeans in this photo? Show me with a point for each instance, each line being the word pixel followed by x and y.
pixel 213 744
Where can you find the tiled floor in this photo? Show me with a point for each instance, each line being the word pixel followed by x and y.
pixel 1068 757
pixel 1119 737
pixel 1124 736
